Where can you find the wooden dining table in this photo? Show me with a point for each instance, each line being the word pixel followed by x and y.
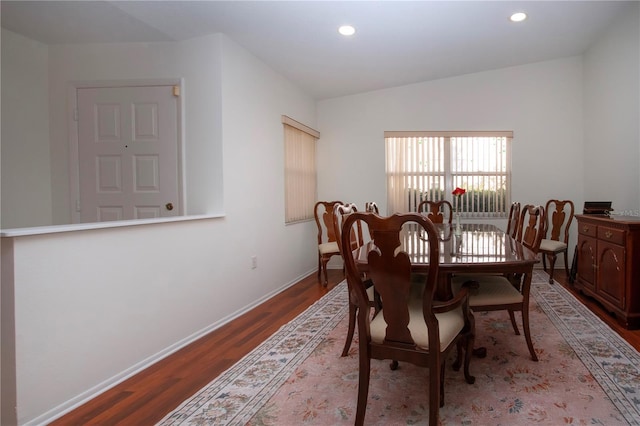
pixel 479 248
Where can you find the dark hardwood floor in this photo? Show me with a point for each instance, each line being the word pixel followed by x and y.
pixel 147 397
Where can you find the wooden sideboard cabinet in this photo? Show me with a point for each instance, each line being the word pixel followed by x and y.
pixel 609 264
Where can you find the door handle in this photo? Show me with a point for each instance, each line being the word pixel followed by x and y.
pixel 169 206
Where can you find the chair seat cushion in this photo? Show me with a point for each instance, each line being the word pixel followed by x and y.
pixel 492 290
pixel 450 324
pixel 552 246
pixel 326 248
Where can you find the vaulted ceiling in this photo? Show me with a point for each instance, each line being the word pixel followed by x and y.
pixel 396 42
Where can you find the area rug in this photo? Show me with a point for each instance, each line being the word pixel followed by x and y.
pixel 586 374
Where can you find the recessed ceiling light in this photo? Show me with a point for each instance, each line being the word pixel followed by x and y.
pixel 518 17
pixel 347 30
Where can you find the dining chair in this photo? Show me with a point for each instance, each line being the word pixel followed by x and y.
pixel 514 218
pixel 341 212
pixel 556 240
pixel 327 242
pixel 410 327
pixel 437 211
pixel 371 207
pixel 508 292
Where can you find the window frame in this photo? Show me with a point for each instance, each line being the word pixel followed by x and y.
pixel 404 164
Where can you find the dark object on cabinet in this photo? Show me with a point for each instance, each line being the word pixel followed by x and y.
pixel 609 264
pixel 597 207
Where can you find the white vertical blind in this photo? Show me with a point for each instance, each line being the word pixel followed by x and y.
pixel 430 165
pixel 300 175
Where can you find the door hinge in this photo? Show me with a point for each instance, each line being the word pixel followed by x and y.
pixel 176 91
pixel 75 114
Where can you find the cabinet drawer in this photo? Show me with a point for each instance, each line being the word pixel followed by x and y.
pixel 615 236
pixel 588 229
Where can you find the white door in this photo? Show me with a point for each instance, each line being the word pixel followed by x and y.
pixel 128 153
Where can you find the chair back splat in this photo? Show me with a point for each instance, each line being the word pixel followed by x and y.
pixel 409 327
pixel 531 227
pixel 437 211
pixel 371 207
pixel 514 219
pixel 341 212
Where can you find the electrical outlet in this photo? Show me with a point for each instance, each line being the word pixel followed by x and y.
pixel 254 262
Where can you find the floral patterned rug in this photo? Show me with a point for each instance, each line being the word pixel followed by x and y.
pixel 586 374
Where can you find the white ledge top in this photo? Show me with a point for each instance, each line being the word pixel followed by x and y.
pixel 52 229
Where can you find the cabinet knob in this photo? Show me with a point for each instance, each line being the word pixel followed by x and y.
pixel 608 234
pixel 585 229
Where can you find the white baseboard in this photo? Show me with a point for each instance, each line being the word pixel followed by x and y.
pixel 104 386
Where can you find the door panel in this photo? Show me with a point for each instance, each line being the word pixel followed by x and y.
pixel 611 274
pixel 109 213
pixel 109 173
pixel 128 153
pixel 587 260
pixel 147 212
pixel 146 173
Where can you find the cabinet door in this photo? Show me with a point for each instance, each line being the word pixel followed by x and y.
pixel 611 273
pixel 587 261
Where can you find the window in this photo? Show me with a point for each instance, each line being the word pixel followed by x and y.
pixel 299 170
pixel 430 165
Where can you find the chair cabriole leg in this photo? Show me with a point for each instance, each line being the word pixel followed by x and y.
pixel 434 390
pixel 353 310
pixel 527 332
pixel 552 263
pixel 469 340
pixel 513 322
pixel 324 269
pixel 363 390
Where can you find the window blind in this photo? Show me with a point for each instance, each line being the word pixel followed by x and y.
pixel 430 165
pixel 300 170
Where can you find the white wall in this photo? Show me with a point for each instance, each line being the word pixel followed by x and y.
pixel 95 306
pixel 196 60
pixel 95 293
pixel 35 145
pixel 541 103
pixel 26 173
pixel 612 114
pixel 254 99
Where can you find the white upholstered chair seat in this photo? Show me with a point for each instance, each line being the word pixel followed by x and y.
pixel 492 290
pixel 371 293
pixel 331 247
pixel 449 323
pixel 552 245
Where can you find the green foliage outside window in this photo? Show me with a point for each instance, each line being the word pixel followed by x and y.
pixel 473 201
